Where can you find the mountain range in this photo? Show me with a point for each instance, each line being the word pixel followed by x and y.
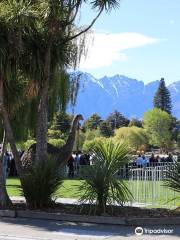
pixel 129 96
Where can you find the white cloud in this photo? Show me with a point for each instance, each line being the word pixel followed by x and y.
pixel 108 48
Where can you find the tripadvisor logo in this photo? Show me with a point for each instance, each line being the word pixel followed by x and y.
pixel 158 231
pixel 139 231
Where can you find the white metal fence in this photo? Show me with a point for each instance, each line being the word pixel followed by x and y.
pixel 146 185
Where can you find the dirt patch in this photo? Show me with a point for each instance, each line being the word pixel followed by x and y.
pixel 116 211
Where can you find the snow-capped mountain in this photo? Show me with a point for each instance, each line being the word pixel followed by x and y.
pixel 129 96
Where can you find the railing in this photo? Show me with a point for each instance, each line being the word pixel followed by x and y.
pixel 126 171
pixel 146 184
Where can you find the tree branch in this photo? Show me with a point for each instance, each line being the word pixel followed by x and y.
pixel 86 29
pixel 76 7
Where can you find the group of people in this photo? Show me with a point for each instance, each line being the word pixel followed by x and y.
pixel 143 161
pixel 9 167
pixel 76 160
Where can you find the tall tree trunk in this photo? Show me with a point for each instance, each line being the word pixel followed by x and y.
pixel 9 131
pixel 4 198
pixel 42 121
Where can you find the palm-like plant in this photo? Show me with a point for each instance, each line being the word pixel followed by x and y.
pixel 102 186
pixel 42 183
pixel 173 178
pixel 14 21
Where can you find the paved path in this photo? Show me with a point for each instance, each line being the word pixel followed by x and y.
pixel 59 200
pixel 73 201
pixel 28 229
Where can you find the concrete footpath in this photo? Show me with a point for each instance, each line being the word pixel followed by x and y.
pixel 34 229
pixel 58 200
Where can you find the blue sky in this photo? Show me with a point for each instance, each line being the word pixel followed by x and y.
pixel 141 40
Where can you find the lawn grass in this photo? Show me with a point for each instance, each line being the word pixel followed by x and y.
pixel 69 189
pixel 153 192
pixel 143 191
pixel 13 187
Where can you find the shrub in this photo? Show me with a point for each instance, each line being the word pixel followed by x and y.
pixel 102 186
pixel 173 178
pixel 79 141
pixel 135 137
pixel 57 142
pixel 89 144
pixel 55 134
pixel 26 145
pixel 158 124
pixel 41 184
pixel 92 134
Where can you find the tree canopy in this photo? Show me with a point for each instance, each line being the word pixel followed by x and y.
pixel 117 120
pixel 106 129
pixel 134 137
pixel 93 122
pixel 162 98
pixel 157 124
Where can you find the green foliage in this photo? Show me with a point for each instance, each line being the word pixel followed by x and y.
pixel 178 141
pixel 117 120
pixel 162 98
pixel 106 129
pixel 28 29
pixel 135 122
pixel 61 88
pixel 102 185
pixel 38 39
pixel 87 140
pixel 157 124
pixel 56 142
pixel 23 44
pixel 93 122
pixel 41 184
pixel 55 134
pixel 62 122
pixel 134 137
pixel 90 135
pixel 26 145
pixel 89 144
pixel 79 141
pixel 175 129
pixel 173 178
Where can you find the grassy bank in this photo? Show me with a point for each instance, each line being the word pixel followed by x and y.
pixel 143 191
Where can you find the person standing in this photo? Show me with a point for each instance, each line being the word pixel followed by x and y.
pixel 70 165
pixel 139 161
pixel 77 162
pixel 6 162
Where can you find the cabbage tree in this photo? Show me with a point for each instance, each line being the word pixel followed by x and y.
pixel 102 186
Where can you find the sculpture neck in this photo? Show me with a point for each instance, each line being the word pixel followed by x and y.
pixel 72 135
